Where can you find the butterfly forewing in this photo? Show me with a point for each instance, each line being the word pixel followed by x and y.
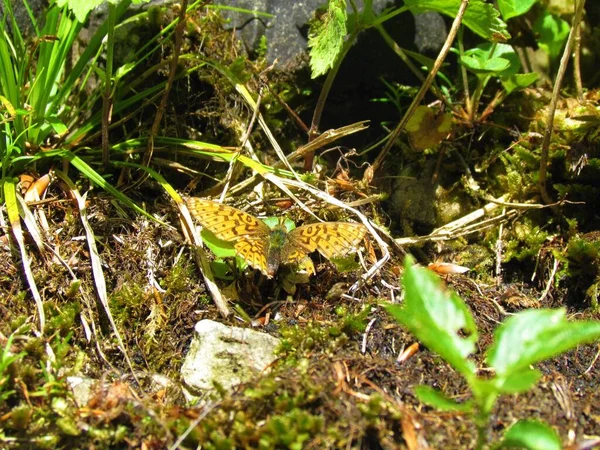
pixel 249 235
pixel 226 223
pixel 331 239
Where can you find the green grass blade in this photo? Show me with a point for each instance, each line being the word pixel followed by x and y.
pixel 93 176
pixel 10 197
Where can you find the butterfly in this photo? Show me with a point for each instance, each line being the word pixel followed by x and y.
pixel 265 248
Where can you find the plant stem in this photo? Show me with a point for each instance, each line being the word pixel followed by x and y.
pixel 107 95
pixel 369 173
pixel 316 120
pixel 553 103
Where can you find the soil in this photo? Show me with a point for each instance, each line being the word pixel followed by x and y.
pixel 334 369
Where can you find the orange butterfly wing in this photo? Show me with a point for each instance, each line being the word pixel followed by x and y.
pixel 249 235
pixel 331 239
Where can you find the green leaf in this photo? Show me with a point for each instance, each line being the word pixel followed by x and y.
pixel 553 32
pixel 326 37
pixel 345 263
pixel 504 51
pixel 518 382
pixel 492 65
pixel 124 70
pixel 221 248
pixel 272 222
pixel 80 8
pixel 221 270
pixel 519 81
pixel 438 400
pixel 514 8
pixel 481 18
pixel 57 125
pixel 437 317
pixel 497 59
pixel 534 335
pixel 531 435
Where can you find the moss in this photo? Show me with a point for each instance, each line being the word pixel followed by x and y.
pixel 126 302
pixel 289 430
pixel 581 267
pixel 62 320
pixel 524 241
pixel 353 322
pixel 177 279
pixel 20 417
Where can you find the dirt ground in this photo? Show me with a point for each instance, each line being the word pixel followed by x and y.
pixel 337 382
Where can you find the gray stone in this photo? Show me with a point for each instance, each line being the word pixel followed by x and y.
pixel 285 31
pixel 430 33
pixel 226 356
pixel 412 201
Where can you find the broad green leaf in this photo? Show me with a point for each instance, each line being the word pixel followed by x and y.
pixel 520 381
pixel 518 81
pixel 535 335
pixel 437 317
pixel 479 62
pixel 441 402
pixel 481 18
pixel 496 59
pixel 221 270
pixel 222 249
pixel 504 51
pixel 326 37
pixel 345 263
pixel 81 8
pixel 531 435
pixel 514 8
pixel 272 222
pixel 219 247
pixel 552 32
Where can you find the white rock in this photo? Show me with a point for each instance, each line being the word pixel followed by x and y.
pixel 224 355
pixel 83 389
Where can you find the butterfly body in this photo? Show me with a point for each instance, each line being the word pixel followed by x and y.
pixel 264 248
pixel 278 238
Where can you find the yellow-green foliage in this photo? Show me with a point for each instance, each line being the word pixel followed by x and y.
pixel 582 267
pixel 525 240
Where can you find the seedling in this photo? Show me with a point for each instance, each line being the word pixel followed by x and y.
pixel 443 323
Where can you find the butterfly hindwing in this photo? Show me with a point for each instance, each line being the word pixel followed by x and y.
pixel 254 252
pixel 249 235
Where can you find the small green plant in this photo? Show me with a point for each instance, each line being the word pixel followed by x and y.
pixel 333 32
pixel 443 323
pixel 6 359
